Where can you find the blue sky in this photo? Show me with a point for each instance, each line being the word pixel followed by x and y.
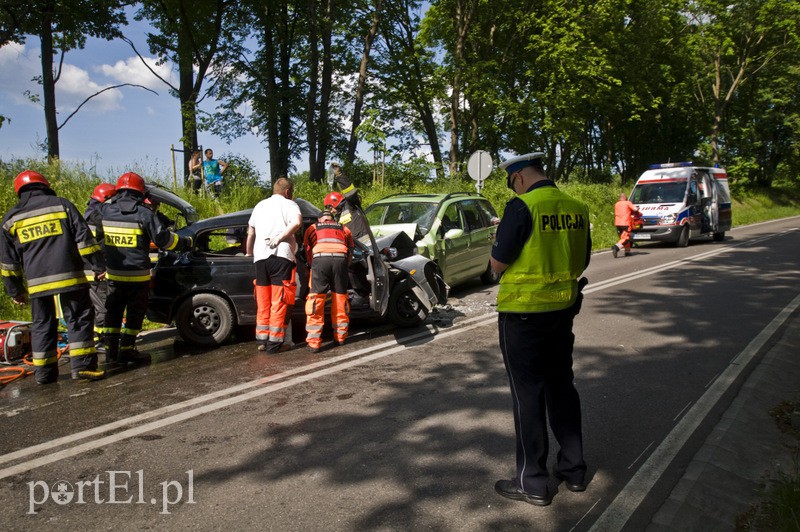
pixel 123 129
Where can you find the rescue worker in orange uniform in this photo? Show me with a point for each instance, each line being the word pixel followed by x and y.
pixel 623 220
pixel 272 243
pixel 98 289
pixel 46 238
pixel 129 227
pixel 329 249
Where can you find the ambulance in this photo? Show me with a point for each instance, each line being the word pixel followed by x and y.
pixel 681 201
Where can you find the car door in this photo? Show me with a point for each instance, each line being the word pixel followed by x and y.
pixel 481 237
pixel 453 243
pixel 229 270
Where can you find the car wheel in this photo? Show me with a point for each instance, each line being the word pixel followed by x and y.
pixel 405 310
pixel 683 239
pixel 719 237
pixel 204 320
pixel 489 276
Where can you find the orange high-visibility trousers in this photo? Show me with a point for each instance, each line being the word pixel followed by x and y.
pixel 624 237
pixel 275 291
pixel 327 273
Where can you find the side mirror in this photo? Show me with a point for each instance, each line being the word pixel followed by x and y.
pixel 453 233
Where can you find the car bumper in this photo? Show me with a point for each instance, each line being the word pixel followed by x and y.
pixel 665 233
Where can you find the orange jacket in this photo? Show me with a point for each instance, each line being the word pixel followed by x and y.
pixel 622 213
pixel 327 236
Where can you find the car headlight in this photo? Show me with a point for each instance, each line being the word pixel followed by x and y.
pixel 668 219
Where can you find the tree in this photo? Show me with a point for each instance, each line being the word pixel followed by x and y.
pixel 61 25
pixel 199 36
pixel 407 85
pixel 733 43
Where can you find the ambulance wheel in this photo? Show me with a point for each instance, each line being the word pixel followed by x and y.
pixel 719 237
pixel 204 320
pixel 683 239
pixel 405 310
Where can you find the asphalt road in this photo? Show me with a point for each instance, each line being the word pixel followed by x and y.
pixel 403 429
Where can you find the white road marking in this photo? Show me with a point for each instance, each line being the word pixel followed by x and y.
pixel 631 496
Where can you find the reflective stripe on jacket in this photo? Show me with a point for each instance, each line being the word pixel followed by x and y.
pixel 129 226
pixel 544 276
pixel 46 238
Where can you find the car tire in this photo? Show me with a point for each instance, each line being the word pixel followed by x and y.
pixel 489 276
pixel 205 320
pixel 719 237
pixel 405 310
pixel 683 238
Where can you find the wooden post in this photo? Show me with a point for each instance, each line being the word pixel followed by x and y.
pixel 174 170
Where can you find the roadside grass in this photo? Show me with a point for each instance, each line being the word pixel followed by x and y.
pixel 779 509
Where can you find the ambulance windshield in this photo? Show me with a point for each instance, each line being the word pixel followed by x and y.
pixel 672 192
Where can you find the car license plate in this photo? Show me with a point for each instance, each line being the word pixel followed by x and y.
pixel 641 236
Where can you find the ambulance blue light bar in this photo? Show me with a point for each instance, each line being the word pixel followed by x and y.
pixel 670 165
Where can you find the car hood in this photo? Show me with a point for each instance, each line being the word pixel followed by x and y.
pixel 167 197
pixel 388 229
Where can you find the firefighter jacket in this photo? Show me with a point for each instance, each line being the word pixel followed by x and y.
pixel 129 226
pixel 94 218
pixel 47 237
pixel 327 238
pixel 352 215
pixel 545 275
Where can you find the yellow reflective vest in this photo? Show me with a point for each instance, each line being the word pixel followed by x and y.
pixel 544 276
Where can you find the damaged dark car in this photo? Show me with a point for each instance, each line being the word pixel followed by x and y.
pixel 207 292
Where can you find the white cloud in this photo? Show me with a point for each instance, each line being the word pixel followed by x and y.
pixel 74 86
pixel 18 67
pixel 132 70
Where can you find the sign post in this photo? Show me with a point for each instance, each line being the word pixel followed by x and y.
pixel 479 167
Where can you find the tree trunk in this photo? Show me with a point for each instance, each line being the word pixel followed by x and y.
pixel 323 128
pixel 311 99
pixel 362 81
pixel 463 16
pixel 49 88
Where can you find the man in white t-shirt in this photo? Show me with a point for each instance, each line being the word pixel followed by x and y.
pixel 272 244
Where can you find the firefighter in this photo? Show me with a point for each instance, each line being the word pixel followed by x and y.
pixel 46 237
pixel 98 289
pixel 623 220
pixel 350 212
pixel 129 227
pixel 329 249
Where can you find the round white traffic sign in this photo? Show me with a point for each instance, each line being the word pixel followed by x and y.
pixel 480 165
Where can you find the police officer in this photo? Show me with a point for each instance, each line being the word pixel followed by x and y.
pixel 98 288
pixel 329 248
pixel 46 236
pixel 543 246
pixel 129 227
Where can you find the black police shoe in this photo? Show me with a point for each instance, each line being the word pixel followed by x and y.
pixel 571 486
pixel 511 490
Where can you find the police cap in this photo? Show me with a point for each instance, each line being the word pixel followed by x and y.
pixel 515 164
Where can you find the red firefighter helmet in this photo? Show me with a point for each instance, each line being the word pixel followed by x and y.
pixel 103 191
pixel 334 199
pixel 130 181
pixel 27 177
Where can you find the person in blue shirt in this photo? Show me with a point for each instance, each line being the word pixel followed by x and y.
pixel 213 170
